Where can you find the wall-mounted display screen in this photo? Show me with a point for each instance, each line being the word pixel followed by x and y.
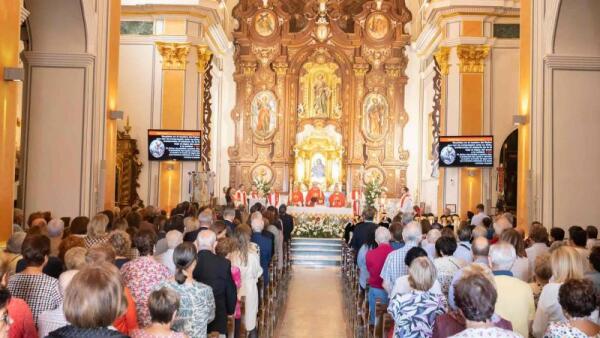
pixel 174 145
pixel 466 151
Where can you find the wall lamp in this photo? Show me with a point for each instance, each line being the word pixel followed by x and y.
pixel 519 120
pixel 14 74
pixel 115 115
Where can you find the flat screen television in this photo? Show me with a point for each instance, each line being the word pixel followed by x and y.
pixel 466 151
pixel 173 145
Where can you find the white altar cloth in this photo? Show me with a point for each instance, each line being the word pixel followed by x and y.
pixel 320 211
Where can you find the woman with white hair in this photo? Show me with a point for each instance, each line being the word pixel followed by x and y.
pixel 96 231
pixel 374 261
pixel 429 242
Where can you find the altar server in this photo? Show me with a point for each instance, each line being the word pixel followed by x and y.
pixel 254 194
pixel 241 197
pixel 406 201
pixel 357 200
pixel 273 198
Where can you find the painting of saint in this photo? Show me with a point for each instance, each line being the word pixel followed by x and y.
pixel 377 26
pixel 264 108
pixel 376 112
pixel 265 23
pixel 321 92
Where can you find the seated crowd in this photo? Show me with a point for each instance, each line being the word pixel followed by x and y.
pixel 484 278
pixel 135 272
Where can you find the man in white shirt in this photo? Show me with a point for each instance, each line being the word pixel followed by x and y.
pixel 478 218
pixel 406 201
pixel 174 238
pixel 463 250
pixel 402 286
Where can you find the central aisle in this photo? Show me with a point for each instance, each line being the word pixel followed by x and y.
pixel 314 305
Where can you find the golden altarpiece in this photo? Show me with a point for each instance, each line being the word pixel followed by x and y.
pixel 320 93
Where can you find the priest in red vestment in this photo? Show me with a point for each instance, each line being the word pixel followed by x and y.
pixel 337 199
pixel 297 197
pixel 315 196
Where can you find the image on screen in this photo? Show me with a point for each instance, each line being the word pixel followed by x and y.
pixel 174 145
pixel 466 151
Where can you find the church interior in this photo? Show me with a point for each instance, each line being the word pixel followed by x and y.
pixel 419 108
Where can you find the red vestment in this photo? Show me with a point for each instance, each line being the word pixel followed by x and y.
pixel 241 197
pixel 316 194
pixel 297 198
pixel 273 199
pixel 337 200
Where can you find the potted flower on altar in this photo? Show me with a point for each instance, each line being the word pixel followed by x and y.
pixel 373 191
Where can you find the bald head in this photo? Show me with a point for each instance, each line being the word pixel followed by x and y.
pixel 412 232
pixel 502 223
pixel 480 247
pixel 256 222
pixel 207 240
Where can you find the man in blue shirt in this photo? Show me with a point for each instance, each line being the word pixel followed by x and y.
pixel 264 243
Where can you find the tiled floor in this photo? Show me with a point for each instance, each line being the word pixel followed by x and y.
pixel 314 305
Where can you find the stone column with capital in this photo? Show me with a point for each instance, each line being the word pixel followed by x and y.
pixel 471 67
pixel 174 62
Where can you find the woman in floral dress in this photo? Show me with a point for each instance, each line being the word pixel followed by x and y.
pixel 414 313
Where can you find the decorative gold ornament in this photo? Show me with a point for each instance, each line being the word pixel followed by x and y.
pixel 204 55
pixel 280 68
pixel 360 69
pixel 472 58
pixel 248 68
pixel 441 56
pixel 174 54
pixel 393 70
pixel 264 54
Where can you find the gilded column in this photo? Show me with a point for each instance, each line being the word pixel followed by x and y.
pixel 355 155
pixel 471 67
pixel 174 61
pixel 111 99
pixel 9 57
pixel 281 69
pixel 204 56
pixel 441 59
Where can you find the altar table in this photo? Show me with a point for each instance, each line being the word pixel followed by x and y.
pixel 320 221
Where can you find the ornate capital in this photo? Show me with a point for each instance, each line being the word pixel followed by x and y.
pixel 393 70
pixel 248 68
pixel 280 68
pixel 472 58
pixel 204 55
pixel 361 69
pixel 174 54
pixel 441 57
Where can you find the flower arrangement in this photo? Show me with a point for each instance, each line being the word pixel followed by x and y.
pixel 262 185
pixel 317 227
pixel 373 191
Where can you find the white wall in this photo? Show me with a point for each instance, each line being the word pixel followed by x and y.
pixel 565 113
pixel 412 99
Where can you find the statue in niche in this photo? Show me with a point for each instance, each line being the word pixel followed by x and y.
pixel 320 87
pixel 322 92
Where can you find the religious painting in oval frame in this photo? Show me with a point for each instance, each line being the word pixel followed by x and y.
pixel 374 174
pixel 262 172
pixel 265 23
pixel 375 116
pixel 377 26
pixel 264 113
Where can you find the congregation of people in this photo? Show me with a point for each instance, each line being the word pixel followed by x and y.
pixel 410 277
pixel 138 272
